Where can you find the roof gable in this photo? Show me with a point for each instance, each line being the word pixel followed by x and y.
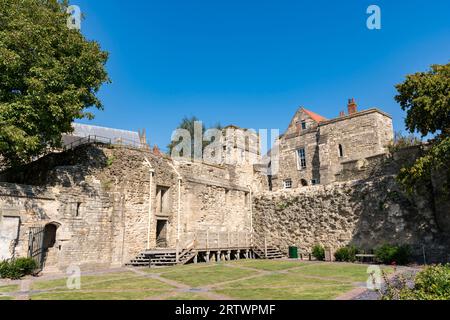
pixel 314 116
pixel 303 114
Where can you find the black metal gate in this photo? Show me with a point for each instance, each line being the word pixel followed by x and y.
pixel 36 245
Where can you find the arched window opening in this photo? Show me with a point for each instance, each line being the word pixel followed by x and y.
pixel 50 236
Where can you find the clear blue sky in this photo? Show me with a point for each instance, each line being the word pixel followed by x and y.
pixel 253 63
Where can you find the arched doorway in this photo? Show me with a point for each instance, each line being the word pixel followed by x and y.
pixel 41 244
pixel 49 250
pixel 50 235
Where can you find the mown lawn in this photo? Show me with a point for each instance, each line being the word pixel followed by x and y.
pixel 12 288
pixel 269 265
pixel 85 280
pixel 207 276
pixel 96 295
pixel 244 279
pixel 188 296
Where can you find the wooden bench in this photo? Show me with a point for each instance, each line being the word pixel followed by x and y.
pixel 362 257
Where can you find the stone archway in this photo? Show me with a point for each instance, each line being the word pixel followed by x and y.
pixel 49 247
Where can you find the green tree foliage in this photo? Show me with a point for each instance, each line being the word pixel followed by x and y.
pixel 189 125
pixel 49 76
pixel 425 96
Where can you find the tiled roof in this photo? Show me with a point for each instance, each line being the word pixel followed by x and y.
pixel 316 117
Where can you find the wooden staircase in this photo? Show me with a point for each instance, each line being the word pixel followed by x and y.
pixel 263 248
pixel 162 258
pixel 266 249
pixel 272 253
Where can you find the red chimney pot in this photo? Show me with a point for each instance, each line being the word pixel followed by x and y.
pixel 352 106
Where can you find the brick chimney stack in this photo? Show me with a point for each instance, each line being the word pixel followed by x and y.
pixel 352 106
pixel 156 151
pixel 341 114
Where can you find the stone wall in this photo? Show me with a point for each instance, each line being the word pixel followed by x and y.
pixel 216 197
pixel 366 214
pixel 82 216
pixel 362 135
pixel 99 199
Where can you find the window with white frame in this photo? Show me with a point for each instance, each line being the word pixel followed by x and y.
pixel 288 184
pixel 301 157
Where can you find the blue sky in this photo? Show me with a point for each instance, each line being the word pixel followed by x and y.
pixel 253 63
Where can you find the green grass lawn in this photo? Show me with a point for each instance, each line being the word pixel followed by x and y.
pixel 188 296
pixel 96 295
pixel 313 292
pixel 12 288
pixel 208 276
pixel 269 265
pixel 61 284
pixel 244 279
pixel 342 271
pixel 6 298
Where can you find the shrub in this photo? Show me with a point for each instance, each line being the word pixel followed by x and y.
pixel 403 141
pixel 26 265
pixel 390 254
pixel 433 283
pixel 318 252
pixel 346 254
pixel 17 268
pixel 4 269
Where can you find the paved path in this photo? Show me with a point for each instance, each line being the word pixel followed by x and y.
pixel 362 293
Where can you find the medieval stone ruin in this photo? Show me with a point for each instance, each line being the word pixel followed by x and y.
pixel 109 200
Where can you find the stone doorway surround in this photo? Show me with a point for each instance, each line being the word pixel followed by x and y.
pixel 161 232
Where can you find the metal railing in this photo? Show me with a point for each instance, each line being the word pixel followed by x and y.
pixel 94 139
pixel 87 140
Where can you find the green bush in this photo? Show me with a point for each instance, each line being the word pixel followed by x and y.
pixel 433 283
pixel 346 254
pixel 390 254
pixel 17 268
pixel 318 252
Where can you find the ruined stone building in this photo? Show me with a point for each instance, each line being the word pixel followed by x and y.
pixel 101 204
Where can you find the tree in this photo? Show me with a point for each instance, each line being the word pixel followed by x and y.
pixel 189 125
pixel 49 76
pixel 425 96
